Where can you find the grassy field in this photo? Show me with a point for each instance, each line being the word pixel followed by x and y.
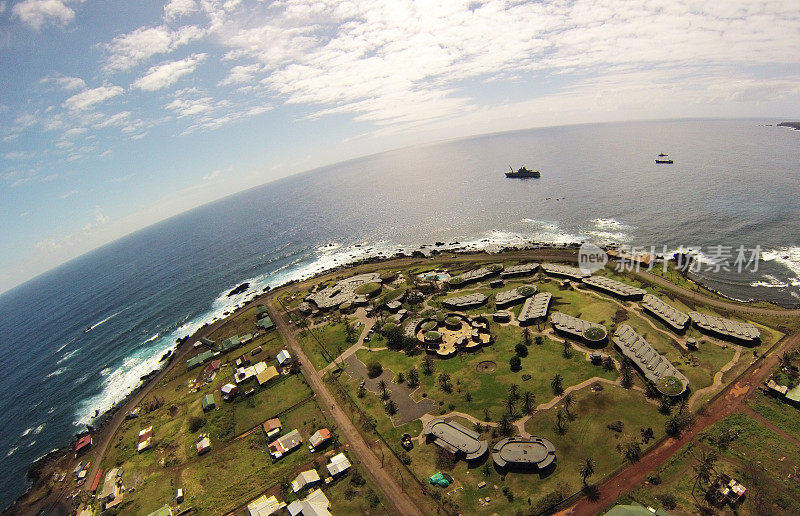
pixel 782 415
pixel 331 335
pixel 757 457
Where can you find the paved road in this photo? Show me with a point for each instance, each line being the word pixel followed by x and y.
pixel 632 477
pixel 400 503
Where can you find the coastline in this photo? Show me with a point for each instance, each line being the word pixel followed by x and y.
pixel 109 420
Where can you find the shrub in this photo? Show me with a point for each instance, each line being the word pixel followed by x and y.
pixel 374 369
pixel 668 501
pixel 521 350
pixel 515 363
pixel 196 423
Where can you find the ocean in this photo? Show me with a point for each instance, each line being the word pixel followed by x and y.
pixel 734 183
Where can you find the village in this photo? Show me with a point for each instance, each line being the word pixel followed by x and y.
pixel 496 387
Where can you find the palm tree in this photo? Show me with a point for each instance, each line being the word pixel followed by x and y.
pixel 569 399
pixel 528 401
pixel 557 384
pixel 511 403
pixel 413 377
pixel 587 469
pixel 560 422
pixel 444 382
pixel 391 407
pixel 683 405
pixel 382 387
pixel 513 391
pixel 504 426
pixel 526 336
pixel 704 468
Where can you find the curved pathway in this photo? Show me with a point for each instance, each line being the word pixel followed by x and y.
pixel 717 383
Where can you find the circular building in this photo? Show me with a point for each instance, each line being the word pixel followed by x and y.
pixel 536 453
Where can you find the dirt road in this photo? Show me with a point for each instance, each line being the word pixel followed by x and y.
pixel 400 503
pixel 729 402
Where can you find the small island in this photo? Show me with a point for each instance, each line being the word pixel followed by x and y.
pixel 792 125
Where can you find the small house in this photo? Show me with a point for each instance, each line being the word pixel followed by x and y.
pixel 203 445
pixel 304 479
pixel 264 506
pixel 319 438
pixel 272 427
pixel 208 402
pixel 229 391
pixel 164 511
pixel 267 374
pixel 338 464
pixel 145 439
pixel 284 358
pixel 315 504
pixel 83 444
pixel 265 323
pixel 284 444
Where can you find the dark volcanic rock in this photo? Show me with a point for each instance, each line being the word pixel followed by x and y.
pixel 238 290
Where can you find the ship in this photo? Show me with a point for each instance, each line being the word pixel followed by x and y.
pixel 664 159
pixel 522 172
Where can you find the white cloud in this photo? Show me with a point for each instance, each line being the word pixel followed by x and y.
pixel 37 13
pixel 65 83
pixel 240 75
pixel 89 98
pixel 164 75
pixel 134 48
pixel 212 175
pixel 68 194
pixel 177 8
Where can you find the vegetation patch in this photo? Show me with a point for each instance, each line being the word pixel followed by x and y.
pixel 670 385
pixel 595 333
pixel 369 289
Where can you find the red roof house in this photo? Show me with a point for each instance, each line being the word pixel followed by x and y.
pixel 83 443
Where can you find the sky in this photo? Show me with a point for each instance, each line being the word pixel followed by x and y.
pixel 116 114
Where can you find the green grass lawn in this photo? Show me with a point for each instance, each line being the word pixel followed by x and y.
pixel 267 403
pixel 331 336
pixel 782 415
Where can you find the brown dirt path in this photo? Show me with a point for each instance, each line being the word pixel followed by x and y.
pixel 727 403
pixel 399 502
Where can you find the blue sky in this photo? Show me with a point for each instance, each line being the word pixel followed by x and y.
pixel 117 114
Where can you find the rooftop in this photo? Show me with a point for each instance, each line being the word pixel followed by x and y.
pixel 666 312
pixel 456 438
pixel 465 301
pixel 727 327
pixel 535 307
pixel 575 326
pixel 343 291
pixel 532 451
pixel 338 464
pixel 515 295
pixel 566 271
pixel 655 367
pixel 614 287
pixel 519 270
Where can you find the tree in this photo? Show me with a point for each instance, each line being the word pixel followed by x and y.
pixel 567 353
pixel 513 391
pixel 586 468
pixel 569 399
pixel 626 372
pixel 515 363
pixel 683 406
pixel 511 403
pixel 560 428
pixel 529 402
pixel 401 377
pixel 350 333
pixel 361 391
pixel 427 365
pixel 444 382
pixel 504 426
pixel 557 384
pixel 631 449
pixel 413 378
pixel 526 336
pixel 391 407
pixel 608 363
pixel 374 369
pixel 394 338
pixel 539 340
pixel 521 350
pixel 382 387
pixel 704 468
pixel 665 406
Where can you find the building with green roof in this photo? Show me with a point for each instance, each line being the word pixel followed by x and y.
pixel 199 359
pixel 265 323
pixel 208 402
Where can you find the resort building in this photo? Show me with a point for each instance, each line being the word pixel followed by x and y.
pixel 284 444
pixel 589 332
pixel 315 504
pixel 456 439
pixel 531 452
pixel 666 313
pixel 654 366
pixel 501 316
pixel 464 302
pixel 525 269
pixel 512 297
pixel 535 309
pixel 615 288
pixel 305 478
pixel 475 275
pixel 338 464
pixel 343 291
pixel 564 271
pixel 726 328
